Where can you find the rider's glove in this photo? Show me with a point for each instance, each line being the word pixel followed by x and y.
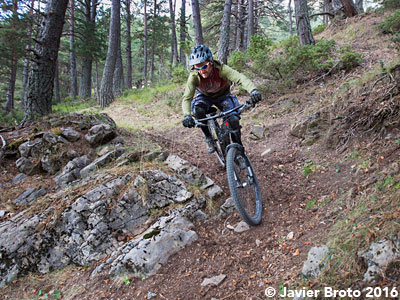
pixel 255 97
pixel 188 121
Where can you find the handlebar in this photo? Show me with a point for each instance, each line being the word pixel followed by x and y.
pixel 239 109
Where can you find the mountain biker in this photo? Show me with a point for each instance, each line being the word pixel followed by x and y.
pixel 209 84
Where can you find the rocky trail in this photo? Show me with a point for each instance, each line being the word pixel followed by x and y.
pixel 244 262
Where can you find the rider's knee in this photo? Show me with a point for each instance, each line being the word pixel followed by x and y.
pixel 234 122
pixel 199 112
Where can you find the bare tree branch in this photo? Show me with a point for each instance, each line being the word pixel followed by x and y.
pixel 322 13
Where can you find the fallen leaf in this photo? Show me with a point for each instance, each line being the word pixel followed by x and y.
pixel 296 253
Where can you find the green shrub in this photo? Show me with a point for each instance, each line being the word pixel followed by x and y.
pixel 237 60
pixel 295 59
pixel 389 4
pixel 313 58
pixel 179 74
pixel 320 28
pixel 396 40
pixel 349 59
pixel 13 118
pixel 258 52
pixel 391 24
pixel 258 46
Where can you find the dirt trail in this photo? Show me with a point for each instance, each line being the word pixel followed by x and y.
pixel 261 257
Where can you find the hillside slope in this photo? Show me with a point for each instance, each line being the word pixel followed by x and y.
pixel 335 184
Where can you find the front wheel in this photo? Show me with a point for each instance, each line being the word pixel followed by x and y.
pixel 243 185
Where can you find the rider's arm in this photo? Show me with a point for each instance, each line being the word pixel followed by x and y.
pixel 190 89
pixel 238 78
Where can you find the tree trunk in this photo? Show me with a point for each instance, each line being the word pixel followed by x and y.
pixel 224 37
pixel 290 12
pixel 41 77
pixel 57 96
pixel 145 37
pixel 198 30
pixel 303 23
pixel 97 81
pixel 9 106
pixel 174 43
pixel 118 71
pixel 327 7
pixel 235 26
pixel 106 89
pixel 349 8
pixel 74 79
pixel 27 56
pixel 359 6
pixel 182 35
pixel 153 42
pixel 240 34
pixel 128 49
pixel 250 20
pixel 85 87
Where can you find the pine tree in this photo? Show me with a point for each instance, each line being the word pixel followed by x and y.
pixel 41 77
pixel 106 96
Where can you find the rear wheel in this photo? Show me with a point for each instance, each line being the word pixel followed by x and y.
pixel 219 146
pixel 243 185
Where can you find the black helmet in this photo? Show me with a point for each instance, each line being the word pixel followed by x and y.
pixel 200 54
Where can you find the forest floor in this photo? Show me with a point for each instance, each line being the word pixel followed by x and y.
pixel 297 214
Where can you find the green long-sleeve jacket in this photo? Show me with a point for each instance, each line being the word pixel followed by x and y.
pixel 216 85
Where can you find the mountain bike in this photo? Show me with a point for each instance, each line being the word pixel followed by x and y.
pixel 242 179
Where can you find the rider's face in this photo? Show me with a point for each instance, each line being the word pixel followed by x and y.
pixel 205 73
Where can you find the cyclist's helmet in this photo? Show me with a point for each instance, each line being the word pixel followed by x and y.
pixel 200 54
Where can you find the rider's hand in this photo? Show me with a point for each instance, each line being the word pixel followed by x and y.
pixel 255 97
pixel 188 121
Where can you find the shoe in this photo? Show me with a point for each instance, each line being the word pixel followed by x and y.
pixel 210 145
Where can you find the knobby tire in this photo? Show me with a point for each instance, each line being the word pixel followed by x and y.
pixel 244 187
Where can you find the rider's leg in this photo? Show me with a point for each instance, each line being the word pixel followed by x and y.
pixel 200 107
pixel 234 124
pixel 232 121
pixel 199 112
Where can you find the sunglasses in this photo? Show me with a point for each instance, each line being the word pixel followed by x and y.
pixel 202 67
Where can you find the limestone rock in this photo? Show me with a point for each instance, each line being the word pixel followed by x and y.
pixel 242 226
pixel 145 256
pixel 379 256
pixel 316 260
pixel 227 208
pixel 100 134
pixel 20 177
pixel 216 280
pixel 101 161
pixel 29 196
pixel 70 134
pixel 161 189
pixel 214 192
pixel 50 164
pixel 187 171
pixel 32 148
pixel 25 165
pixel 72 170
pixel 257 132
